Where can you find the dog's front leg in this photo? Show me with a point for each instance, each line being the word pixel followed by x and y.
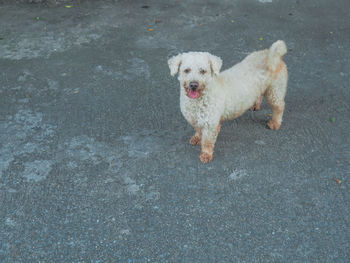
pixel 196 139
pixel 209 135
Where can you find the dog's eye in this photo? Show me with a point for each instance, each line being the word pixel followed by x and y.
pixel 202 71
pixel 187 70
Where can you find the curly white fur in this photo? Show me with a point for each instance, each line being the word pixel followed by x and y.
pixel 227 95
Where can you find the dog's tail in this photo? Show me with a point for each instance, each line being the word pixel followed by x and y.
pixel 276 52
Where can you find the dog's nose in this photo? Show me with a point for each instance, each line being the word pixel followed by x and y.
pixel 194 85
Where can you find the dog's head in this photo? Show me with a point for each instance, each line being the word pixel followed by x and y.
pixel 196 70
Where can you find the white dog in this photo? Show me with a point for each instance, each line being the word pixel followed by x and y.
pixel 208 97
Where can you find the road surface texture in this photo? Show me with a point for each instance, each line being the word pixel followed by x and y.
pixel 95 160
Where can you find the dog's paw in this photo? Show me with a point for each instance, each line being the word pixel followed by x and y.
pixel 205 157
pixel 274 125
pixel 195 140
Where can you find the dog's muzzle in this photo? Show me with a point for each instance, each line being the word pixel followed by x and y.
pixel 193 89
pixel 194 85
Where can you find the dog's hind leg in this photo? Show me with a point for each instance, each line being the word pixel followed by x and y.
pixel 275 94
pixel 277 114
pixel 276 91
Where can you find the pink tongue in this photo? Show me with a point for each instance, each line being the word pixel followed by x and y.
pixel 193 94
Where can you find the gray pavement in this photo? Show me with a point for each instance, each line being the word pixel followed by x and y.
pixel 95 164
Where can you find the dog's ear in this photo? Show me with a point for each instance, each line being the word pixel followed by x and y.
pixel 174 64
pixel 215 64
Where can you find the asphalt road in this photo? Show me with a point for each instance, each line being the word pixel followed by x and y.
pixel 95 160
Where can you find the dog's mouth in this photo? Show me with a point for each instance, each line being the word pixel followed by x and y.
pixel 194 91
